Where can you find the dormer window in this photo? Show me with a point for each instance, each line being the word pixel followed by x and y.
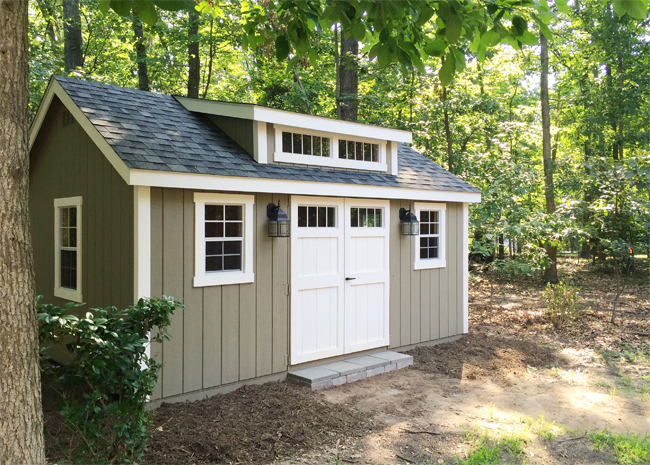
pixel 328 149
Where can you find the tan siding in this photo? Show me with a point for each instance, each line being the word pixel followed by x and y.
pixel 66 163
pixel 281 260
pixel 193 299
pixel 425 302
pixel 211 337
pixel 264 281
pixel 247 332
pixel 230 334
pixel 434 303
pixel 240 130
pixel 395 275
pixel 406 265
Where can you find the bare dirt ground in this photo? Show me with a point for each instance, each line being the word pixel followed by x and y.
pixel 512 378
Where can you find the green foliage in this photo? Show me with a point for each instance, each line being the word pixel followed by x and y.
pixel 629 448
pixel 562 303
pixel 104 388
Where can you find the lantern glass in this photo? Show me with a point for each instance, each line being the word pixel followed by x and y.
pixel 410 228
pixel 279 228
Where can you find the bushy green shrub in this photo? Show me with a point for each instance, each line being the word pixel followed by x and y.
pixel 105 387
pixel 562 303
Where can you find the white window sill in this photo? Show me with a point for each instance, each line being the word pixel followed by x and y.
pixel 429 264
pixel 222 278
pixel 68 294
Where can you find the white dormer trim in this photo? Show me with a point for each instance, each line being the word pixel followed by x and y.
pixel 317 123
pixel 333 161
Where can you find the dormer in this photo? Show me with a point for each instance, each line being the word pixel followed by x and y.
pixel 283 137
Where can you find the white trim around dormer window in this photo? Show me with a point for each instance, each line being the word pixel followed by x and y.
pixel 333 160
pixel 430 241
pixel 225 274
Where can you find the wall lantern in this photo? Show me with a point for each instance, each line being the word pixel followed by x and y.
pixel 409 222
pixel 278 221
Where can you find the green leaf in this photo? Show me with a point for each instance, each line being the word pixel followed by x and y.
pixel 146 12
pixel 121 7
pixel 480 54
pixel 519 24
pixel 636 8
pixel 174 5
pixel 545 30
pixel 619 8
pixel 448 69
pixel 282 47
pixel 453 29
pixel 436 47
pixel 490 38
pixel 358 30
pixel 561 5
pixel 384 58
pixel 529 39
pixel 104 6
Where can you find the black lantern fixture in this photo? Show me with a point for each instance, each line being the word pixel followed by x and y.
pixel 409 222
pixel 278 221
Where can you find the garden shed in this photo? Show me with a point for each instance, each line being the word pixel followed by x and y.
pixel 294 240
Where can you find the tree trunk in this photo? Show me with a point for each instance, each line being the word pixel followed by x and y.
pixel 550 274
pixel 210 61
pixel 450 155
pixel 73 43
pixel 502 250
pixel 194 61
pixel 349 78
pixel 141 54
pixel 21 414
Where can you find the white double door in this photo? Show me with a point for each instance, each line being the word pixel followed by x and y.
pixel 339 276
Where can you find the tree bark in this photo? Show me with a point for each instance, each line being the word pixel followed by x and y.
pixel 194 61
pixel 21 414
pixel 445 113
pixel 349 78
pixel 73 43
pixel 210 61
pixel 141 54
pixel 550 274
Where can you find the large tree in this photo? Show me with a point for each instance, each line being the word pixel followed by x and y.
pixel 21 414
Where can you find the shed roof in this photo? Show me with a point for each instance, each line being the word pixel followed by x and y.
pixel 151 131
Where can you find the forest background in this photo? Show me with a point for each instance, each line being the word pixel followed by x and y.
pixel 484 124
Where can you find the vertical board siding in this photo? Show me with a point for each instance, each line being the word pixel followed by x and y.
pixel 157 275
pixel 230 334
pixel 280 295
pixel 211 337
pixel 64 162
pixel 425 305
pixel 264 294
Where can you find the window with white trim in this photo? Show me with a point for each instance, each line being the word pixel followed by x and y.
pixel 67 248
pixel 328 149
pixel 430 244
pixel 223 239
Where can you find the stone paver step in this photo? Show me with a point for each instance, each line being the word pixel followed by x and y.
pixel 350 370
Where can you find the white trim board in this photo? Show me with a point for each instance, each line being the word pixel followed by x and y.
pixel 288 118
pixel 54 88
pixel 75 295
pixel 142 242
pixel 465 253
pixel 264 185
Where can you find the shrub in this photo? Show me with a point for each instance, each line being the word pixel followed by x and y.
pixel 105 387
pixel 562 303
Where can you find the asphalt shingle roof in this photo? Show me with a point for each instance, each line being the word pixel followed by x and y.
pixel 154 132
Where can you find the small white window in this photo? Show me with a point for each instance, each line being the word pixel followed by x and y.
pixel 67 248
pixel 312 216
pixel 430 244
pixel 223 239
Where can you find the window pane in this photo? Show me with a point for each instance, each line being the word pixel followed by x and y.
pixel 316 141
pixel 424 228
pixel 359 150
pixel 65 239
pixel 433 252
pixel 234 230
pixel 423 252
pixel 326 147
pixel 302 217
pixel 66 278
pixel 371 217
pixel 73 216
pixel 375 152
pixel 322 217
pixel 424 217
pixel 424 242
pixel 367 155
pixel 433 242
pixel 234 212
pixel 434 228
pixel 214 212
pixel 214 248
pixel 213 263
pixel 232 262
pixel 73 237
pixel 378 218
pixel 232 247
pixel 213 229
pixel 286 142
pixel 64 217
pixel 434 217
pixel 350 150
pixel 342 149
pixel 306 143
pixel 297 143
pixel 363 219
pixel 331 217
pixel 312 217
pixel 354 217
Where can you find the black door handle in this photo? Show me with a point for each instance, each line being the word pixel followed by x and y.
pixel 349 279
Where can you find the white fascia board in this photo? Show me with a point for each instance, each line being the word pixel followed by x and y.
pixel 264 185
pixel 465 270
pixel 296 120
pixel 54 88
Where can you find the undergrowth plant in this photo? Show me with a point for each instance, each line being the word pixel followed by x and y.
pixel 104 388
pixel 629 448
pixel 562 303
